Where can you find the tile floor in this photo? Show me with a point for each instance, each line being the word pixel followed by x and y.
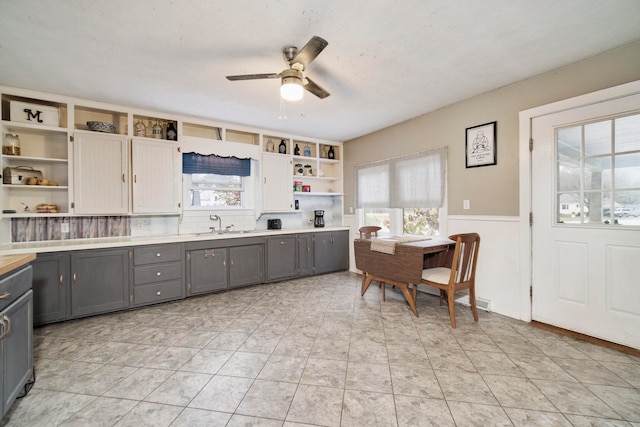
pixel 313 352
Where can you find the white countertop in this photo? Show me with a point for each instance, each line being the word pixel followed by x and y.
pixel 112 242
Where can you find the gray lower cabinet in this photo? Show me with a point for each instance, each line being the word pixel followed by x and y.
pixel 246 265
pixel 50 287
pixel 74 284
pixel 99 281
pixel 282 257
pixel 157 274
pixel 289 256
pixel 16 335
pixel 331 251
pixel 206 270
pixel 305 254
pixel 223 264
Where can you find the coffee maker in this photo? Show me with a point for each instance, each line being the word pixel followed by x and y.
pixel 318 221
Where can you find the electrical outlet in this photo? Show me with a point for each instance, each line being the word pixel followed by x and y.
pixel 466 204
pixel 64 227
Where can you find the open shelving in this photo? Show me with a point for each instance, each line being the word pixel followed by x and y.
pixel 82 115
pixel 202 131
pixel 43 148
pixel 243 137
pixel 322 174
pixel 52 148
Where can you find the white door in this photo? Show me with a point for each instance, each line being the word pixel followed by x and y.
pixel 156 176
pixel 586 220
pixel 100 173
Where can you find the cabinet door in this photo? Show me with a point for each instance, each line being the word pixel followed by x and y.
pixel 50 288
pixel 156 176
pixel 100 174
pixel 247 265
pixel 340 250
pixel 206 270
pixel 331 251
pixel 17 360
pixel 99 281
pixel 277 191
pixel 322 256
pixel 281 257
pixel 305 255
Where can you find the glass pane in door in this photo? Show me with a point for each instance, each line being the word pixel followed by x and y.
pixel 598 172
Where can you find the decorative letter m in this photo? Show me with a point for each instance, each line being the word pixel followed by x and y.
pixel 31 115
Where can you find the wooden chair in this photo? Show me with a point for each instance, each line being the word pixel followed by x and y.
pixel 461 275
pixel 368 232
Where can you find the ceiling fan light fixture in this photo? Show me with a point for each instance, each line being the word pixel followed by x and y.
pixel 293 82
pixel 291 87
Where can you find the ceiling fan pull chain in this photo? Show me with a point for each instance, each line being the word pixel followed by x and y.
pixel 283 110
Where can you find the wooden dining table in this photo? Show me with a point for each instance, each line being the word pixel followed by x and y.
pixel 402 268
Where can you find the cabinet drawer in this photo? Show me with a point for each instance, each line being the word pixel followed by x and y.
pixel 14 284
pixel 155 254
pixel 157 292
pixel 157 273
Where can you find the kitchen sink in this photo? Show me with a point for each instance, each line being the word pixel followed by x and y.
pixel 225 232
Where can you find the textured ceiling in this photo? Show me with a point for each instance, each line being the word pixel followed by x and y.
pixel 386 62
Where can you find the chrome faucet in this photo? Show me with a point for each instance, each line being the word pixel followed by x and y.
pixel 216 218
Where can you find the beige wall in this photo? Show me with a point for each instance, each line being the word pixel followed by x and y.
pixel 492 190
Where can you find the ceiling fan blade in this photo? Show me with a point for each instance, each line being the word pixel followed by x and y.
pixel 254 76
pixel 315 89
pixel 309 52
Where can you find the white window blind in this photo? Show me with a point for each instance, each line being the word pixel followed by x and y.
pixel 417 180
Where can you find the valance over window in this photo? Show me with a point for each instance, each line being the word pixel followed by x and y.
pixel 414 181
pixel 213 164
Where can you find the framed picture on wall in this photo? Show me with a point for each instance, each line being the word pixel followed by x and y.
pixel 481 145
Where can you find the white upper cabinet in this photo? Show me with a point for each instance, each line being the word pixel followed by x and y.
pixel 156 176
pixel 100 174
pixel 276 183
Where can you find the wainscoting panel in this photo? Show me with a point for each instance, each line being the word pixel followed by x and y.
pixel 498 273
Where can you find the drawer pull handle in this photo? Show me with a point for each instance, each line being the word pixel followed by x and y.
pixel 158 254
pixel 283 243
pixel 5 295
pixel 158 273
pixel 159 293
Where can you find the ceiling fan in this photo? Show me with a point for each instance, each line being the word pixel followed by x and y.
pixel 293 79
